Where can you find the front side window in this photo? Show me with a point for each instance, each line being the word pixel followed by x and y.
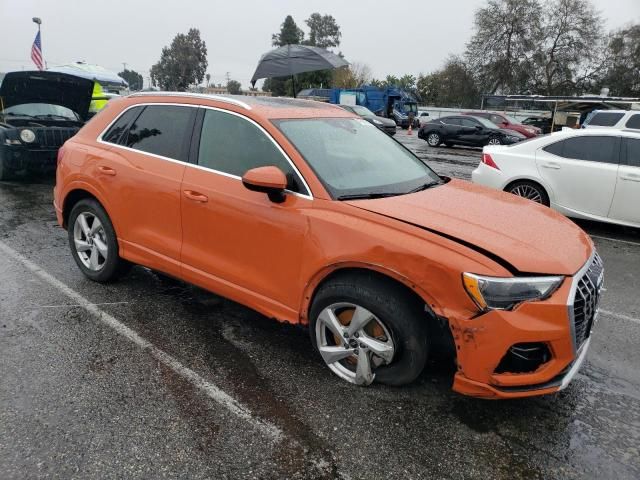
pixel 114 134
pixel 605 119
pixel 233 145
pixel 634 121
pixel 589 148
pixel 633 152
pixel 163 130
pixel 351 157
pixel 497 119
pixel 468 122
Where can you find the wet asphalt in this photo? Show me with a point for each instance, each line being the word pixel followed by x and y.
pixel 79 399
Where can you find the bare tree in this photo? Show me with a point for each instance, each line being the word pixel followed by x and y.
pixel 355 75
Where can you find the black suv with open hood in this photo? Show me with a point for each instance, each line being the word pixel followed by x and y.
pixel 39 111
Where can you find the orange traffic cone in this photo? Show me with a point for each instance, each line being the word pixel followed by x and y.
pixel 410 132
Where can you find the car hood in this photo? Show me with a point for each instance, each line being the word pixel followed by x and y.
pixel 524 236
pixel 47 87
pixel 387 122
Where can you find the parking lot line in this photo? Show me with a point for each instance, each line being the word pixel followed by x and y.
pixel 619 316
pixel 211 390
pixel 614 239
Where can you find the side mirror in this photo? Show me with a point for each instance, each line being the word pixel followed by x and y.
pixel 269 180
pixel 478 127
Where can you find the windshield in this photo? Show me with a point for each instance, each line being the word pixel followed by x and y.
pixel 362 111
pixel 511 119
pixel 410 107
pixel 41 110
pixel 486 123
pixel 353 158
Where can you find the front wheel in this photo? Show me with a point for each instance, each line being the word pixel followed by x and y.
pixel 366 329
pixel 93 242
pixel 494 141
pixel 529 190
pixel 434 139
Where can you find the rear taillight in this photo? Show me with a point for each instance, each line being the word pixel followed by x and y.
pixel 59 157
pixel 488 161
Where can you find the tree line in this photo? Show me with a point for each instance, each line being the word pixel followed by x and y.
pixel 550 47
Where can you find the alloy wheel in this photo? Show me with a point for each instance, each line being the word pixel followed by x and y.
pixel 90 241
pixel 353 342
pixel 433 139
pixel 527 191
pixel 494 141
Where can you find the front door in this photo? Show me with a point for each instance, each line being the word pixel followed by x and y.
pixel 626 200
pixel 236 241
pixel 582 172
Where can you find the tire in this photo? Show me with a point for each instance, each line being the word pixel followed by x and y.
pixel 433 139
pixel 99 240
pixel 530 190
pixel 398 321
pixel 494 141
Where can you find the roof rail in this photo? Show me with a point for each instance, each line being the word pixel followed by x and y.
pixel 221 98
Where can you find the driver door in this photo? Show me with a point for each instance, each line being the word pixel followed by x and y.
pixel 236 241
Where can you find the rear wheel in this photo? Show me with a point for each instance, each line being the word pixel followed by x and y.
pixel 434 139
pixel 93 242
pixel 529 190
pixel 369 329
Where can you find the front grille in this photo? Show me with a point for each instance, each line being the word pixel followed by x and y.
pixel 53 137
pixel 587 297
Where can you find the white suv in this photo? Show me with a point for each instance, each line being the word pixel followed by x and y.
pixel 619 119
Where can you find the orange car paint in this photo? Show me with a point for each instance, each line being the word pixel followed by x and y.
pixel 210 230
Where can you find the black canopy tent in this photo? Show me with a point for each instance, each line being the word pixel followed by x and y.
pixel 290 60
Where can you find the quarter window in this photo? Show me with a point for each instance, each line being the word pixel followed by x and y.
pixel 633 152
pixel 162 130
pixel 233 145
pixel 114 134
pixel 634 121
pixel 589 148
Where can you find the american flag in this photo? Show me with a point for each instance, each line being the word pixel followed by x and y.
pixel 36 52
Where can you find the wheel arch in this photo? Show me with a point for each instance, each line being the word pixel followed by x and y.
pixel 527 178
pixel 80 192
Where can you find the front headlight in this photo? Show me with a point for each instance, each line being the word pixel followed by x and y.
pixel 27 136
pixel 494 293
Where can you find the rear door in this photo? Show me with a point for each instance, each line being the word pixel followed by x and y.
pixel 581 172
pixel 141 177
pixel 626 200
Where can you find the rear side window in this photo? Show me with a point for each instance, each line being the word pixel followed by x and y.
pixel 451 121
pixel 633 152
pixel 162 130
pixel 233 145
pixel 114 134
pixel 606 119
pixel 589 148
pixel 634 121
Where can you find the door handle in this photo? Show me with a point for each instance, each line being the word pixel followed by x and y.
pixel 195 196
pixel 631 178
pixel 107 170
pixel 551 165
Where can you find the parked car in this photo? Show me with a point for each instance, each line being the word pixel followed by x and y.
pixel 305 213
pixel 385 124
pixel 505 121
pixel 41 110
pixel 466 130
pixel 543 123
pixel 592 173
pixel 618 119
pixel 423 117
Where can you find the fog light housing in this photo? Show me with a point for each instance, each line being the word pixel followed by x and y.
pixel 524 358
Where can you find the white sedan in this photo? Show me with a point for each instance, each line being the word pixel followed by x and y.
pixel 589 173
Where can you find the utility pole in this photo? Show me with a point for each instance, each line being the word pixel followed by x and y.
pixel 228 77
pixel 124 66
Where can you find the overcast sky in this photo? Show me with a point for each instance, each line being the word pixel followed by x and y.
pixel 415 37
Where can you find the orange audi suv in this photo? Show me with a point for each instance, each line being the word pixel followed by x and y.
pixel 311 215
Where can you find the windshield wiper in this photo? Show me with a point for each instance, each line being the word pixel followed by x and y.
pixel 424 186
pixel 362 196
pixel 51 115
